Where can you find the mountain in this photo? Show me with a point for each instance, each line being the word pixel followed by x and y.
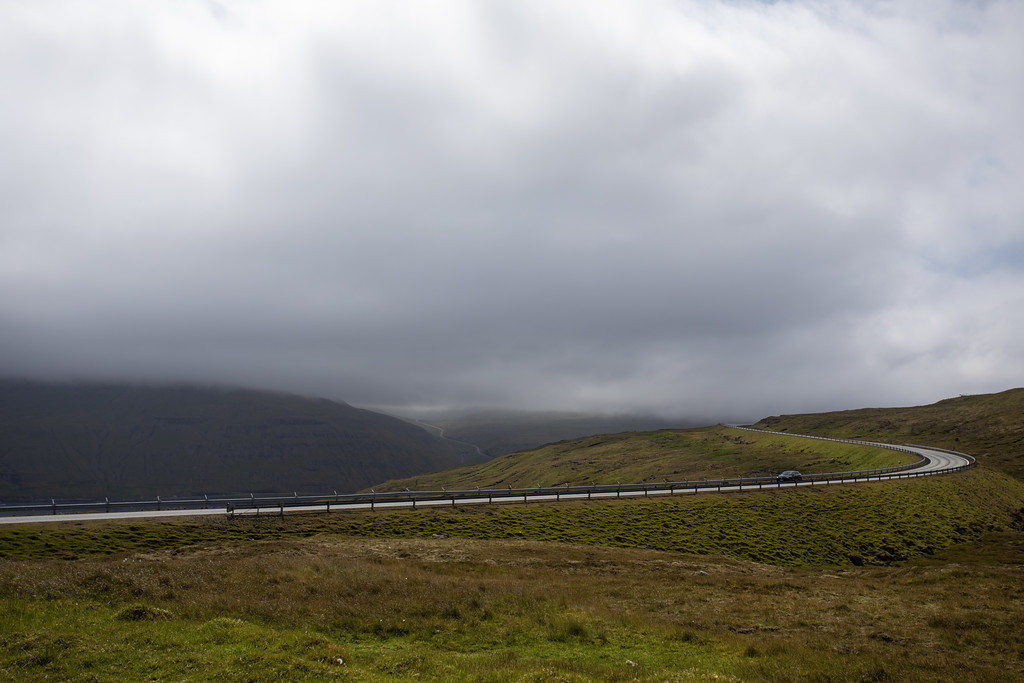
pixel 139 441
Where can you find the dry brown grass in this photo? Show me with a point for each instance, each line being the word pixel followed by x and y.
pixel 535 602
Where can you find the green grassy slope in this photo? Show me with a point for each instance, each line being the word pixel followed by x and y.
pixel 499 433
pixel 875 523
pixel 93 440
pixel 988 426
pixel 673 455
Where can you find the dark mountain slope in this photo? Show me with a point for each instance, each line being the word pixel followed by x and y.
pixel 125 441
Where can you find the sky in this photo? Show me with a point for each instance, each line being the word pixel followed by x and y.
pixel 719 209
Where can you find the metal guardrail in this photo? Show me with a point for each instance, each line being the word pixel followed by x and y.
pixel 254 504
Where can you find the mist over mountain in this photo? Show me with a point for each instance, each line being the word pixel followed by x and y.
pixel 125 441
pixel 683 207
pixel 499 432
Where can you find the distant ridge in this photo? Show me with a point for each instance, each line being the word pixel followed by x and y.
pixel 500 432
pixel 125 441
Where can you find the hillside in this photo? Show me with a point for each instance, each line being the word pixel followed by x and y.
pixel 988 426
pixel 499 433
pixel 121 441
pixel 673 455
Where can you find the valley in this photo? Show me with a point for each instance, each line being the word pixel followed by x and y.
pixel 904 580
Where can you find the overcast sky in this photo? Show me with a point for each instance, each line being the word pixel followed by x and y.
pixel 720 209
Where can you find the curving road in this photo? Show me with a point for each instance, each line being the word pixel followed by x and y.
pixel 933 461
pixel 937 460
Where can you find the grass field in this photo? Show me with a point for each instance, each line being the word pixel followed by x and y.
pixel 836 526
pixel 739 587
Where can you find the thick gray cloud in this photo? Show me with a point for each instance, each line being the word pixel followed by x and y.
pixel 696 208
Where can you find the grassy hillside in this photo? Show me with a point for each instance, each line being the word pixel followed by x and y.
pixel 673 455
pixel 876 523
pixel 638 590
pixel 498 433
pixel 988 426
pixel 92 440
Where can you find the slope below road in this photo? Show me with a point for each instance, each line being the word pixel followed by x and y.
pixel 934 462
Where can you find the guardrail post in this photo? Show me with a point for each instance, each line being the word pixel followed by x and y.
pixel 53 501
pixel 107 502
pixel 158 502
pixel 206 498
pixel 281 503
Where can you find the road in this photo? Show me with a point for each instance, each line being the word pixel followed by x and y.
pixel 441 434
pixel 936 461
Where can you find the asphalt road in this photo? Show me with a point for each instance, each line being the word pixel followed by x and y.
pixel 937 461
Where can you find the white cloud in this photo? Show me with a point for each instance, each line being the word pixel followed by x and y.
pixel 710 207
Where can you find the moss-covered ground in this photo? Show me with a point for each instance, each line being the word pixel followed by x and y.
pixel 916 580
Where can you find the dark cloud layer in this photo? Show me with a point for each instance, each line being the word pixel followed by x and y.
pixel 695 208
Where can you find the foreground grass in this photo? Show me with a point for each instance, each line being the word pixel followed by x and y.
pixel 617 591
pixel 455 609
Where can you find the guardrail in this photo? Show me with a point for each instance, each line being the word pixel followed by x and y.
pixel 905 448
pixel 253 504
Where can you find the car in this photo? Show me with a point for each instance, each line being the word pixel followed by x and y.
pixel 789 475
